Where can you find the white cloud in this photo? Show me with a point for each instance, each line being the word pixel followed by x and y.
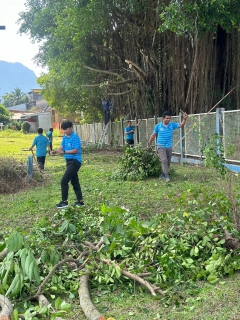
pixel 14 47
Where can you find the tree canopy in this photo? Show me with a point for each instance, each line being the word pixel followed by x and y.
pixel 5 115
pixel 146 56
pixel 14 98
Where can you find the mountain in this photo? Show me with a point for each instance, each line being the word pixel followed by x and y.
pixel 16 75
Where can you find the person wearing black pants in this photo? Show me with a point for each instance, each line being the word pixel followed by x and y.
pixel 71 174
pixel 72 152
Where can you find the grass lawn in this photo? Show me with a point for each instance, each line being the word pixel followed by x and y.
pixel 146 199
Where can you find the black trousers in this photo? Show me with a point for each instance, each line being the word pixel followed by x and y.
pixel 71 174
pixel 41 162
pixel 106 116
pixel 50 146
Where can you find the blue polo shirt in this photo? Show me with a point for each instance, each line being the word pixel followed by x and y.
pixel 129 136
pixel 165 134
pixel 50 136
pixel 41 142
pixel 72 142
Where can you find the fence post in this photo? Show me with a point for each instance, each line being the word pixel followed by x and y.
pixel 137 133
pixel 94 133
pixel 122 129
pixel 219 127
pixel 182 149
pixel 155 123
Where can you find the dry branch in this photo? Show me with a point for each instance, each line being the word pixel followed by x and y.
pixel 149 61
pixel 109 84
pixel 139 71
pixel 119 93
pixel 7 308
pixel 105 71
pixel 86 304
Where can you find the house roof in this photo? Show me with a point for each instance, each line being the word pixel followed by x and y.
pixel 17 116
pixel 19 107
pixel 33 114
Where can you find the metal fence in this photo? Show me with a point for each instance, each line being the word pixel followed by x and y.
pixel 188 142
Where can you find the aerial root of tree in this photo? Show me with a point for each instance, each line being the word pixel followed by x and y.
pixel 86 304
pixel 6 307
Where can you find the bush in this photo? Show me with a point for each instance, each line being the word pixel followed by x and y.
pixel 138 164
pixel 25 126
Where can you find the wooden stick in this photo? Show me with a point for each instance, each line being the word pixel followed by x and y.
pixel 35 160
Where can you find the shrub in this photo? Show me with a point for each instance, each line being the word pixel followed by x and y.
pixel 138 164
pixel 25 126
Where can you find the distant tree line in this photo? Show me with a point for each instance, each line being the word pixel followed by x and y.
pixel 16 97
pixel 146 56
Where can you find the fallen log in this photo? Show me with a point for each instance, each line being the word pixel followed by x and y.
pixel 86 304
pixel 7 308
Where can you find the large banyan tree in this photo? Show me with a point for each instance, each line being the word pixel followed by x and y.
pixel 146 56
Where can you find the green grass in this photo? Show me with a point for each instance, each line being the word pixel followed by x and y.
pixel 144 198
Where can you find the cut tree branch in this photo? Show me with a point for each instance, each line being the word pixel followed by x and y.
pixel 86 304
pixel 7 308
pixel 135 277
pixel 3 254
pixel 40 288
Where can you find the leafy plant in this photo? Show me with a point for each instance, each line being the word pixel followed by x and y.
pixel 138 163
pixel 214 154
pixel 25 126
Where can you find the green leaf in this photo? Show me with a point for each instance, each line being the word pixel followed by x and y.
pixel 105 239
pixel 57 303
pixel 212 278
pixel 15 314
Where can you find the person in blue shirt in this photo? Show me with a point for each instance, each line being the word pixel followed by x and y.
pixel 42 144
pixel 164 133
pixel 49 135
pixel 129 133
pixel 72 152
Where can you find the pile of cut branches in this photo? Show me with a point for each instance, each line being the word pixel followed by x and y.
pixel 112 246
pixel 13 175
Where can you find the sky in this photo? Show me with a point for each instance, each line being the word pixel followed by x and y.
pixel 15 47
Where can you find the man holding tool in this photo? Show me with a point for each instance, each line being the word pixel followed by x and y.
pixel 72 152
pixel 164 133
pixel 42 144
